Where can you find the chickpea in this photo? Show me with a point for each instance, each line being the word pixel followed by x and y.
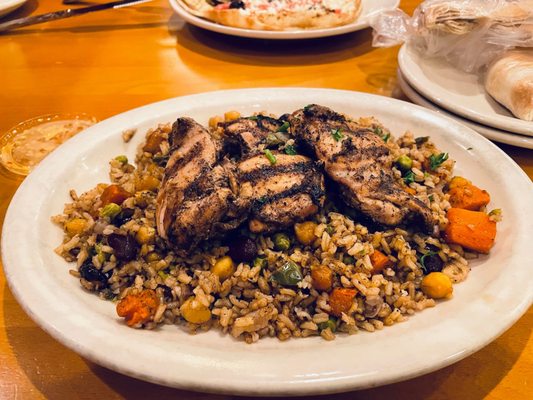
pixel 231 115
pixel 305 232
pixel 75 226
pixel 437 285
pixel 147 183
pixel 195 312
pixel 214 121
pixel 145 235
pixel 223 268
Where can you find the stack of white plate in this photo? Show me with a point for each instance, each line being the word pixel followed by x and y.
pixel 435 84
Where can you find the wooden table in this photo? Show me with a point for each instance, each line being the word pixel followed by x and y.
pixel 112 61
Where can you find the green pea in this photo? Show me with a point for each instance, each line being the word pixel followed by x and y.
pixel 281 242
pixel 111 210
pixel 330 323
pixel 122 159
pixel 348 260
pixel 404 163
pixel 288 275
pixel 99 253
pixel 260 262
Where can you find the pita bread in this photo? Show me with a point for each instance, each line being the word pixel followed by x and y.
pixel 278 15
pixel 510 82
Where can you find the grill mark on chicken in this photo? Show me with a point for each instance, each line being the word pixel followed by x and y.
pixel 281 194
pixel 196 199
pixel 173 167
pixel 268 171
pixel 360 163
pixel 247 134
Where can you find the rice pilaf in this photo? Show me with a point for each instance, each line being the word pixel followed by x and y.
pixel 249 300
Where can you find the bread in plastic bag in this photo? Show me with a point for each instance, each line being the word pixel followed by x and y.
pixel 469 34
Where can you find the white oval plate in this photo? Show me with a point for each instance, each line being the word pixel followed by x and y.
pixel 497 135
pixel 496 294
pixel 6 6
pixel 370 7
pixel 457 91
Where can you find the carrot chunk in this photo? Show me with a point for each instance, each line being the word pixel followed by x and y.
pixel 138 308
pixel 322 277
pixel 114 194
pixel 471 229
pixel 153 142
pixel 340 300
pixel 463 194
pixel 379 261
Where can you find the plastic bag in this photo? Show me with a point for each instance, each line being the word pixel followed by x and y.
pixel 469 34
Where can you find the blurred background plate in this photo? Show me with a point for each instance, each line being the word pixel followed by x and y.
pixel 494 134
pixel 369 8
pixel 6 6
pixel 456 91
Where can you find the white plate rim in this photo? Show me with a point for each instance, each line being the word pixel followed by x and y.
pixel 16 229
pixel 497 135
pixel 360 24
pixel 418 82
pixel 6 6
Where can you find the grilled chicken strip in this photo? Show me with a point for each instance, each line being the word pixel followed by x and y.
pixel 196 200
pixel 280 194
pixel 246 134
pixel 360 162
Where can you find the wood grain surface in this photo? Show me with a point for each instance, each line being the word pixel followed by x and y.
pixel 108 62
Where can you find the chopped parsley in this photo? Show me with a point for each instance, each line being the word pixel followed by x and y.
pixel 409 177
pixel 423 259
pixel 307 107
pixel 435 160
pixel 431 198
pixel 290 150
pixel 284 127
pixel 270 157
pixel 385 136
pixel 337 134
pixel 470 148
pixel 262 199
pixel 253 118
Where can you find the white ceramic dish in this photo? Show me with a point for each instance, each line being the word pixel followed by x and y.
pixel 370 7
pixel 456 91
pixel 496 294
pixel 490 133
pixel 6 6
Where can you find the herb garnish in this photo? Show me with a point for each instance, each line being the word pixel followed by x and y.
pixel 435 160
pixel 284 127
pixel 423 259
pixel 289 149
pixel 270 157
pixel 409 177
pixel 337 134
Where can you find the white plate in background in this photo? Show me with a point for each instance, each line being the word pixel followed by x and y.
pixel 456 91
pixel 6 6
pixel 369 8
pixel 491 133
pixel 496 293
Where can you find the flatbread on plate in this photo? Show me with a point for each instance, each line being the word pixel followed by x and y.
pixel 276 15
